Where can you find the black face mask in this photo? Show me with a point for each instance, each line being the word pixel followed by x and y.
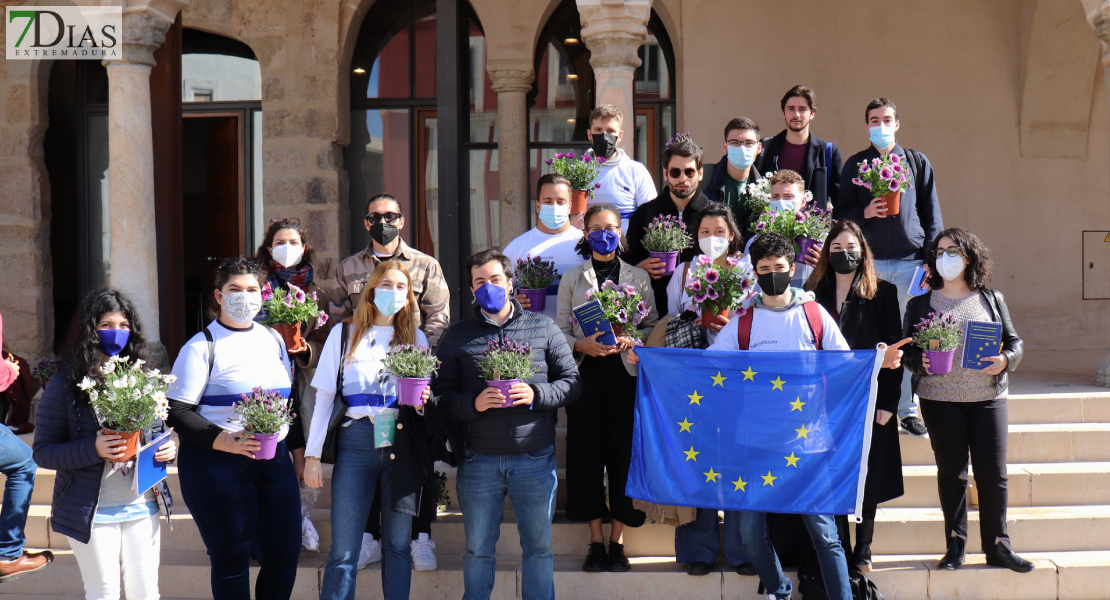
pixel 774 284
pixel 383 233
pixel 605 144
pixel 845 261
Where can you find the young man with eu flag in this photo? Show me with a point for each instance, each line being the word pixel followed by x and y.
pixel 783 318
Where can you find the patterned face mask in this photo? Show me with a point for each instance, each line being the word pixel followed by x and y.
pixel 241 307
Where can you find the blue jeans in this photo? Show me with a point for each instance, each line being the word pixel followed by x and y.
pixel 900 273
pixel 700 539
pixel 16 463
pixel 360 469
pixel 826 542
pixel 530 481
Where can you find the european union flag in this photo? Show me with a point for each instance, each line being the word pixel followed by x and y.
pixel 781 432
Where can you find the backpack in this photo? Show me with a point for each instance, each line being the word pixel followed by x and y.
pixel 212 345
pixel 812 587
pixel 813 316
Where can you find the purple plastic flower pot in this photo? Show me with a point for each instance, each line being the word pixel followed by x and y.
pixel 940 361
pixel 804 244
pixel 269 443
pixel 409 390
pixel 669 260
pixel 503 386
pixel 538 299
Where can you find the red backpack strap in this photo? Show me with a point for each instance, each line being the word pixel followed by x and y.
pixel 813 315
pixel 744 329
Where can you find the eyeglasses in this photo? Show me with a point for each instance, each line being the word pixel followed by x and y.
pixel 738 144
pixel 674 173
pixel 291 220
pixel 612 228
pixel 390 217
pixel 950 251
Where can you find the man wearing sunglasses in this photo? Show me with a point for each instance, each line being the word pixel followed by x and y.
pixel 682 170
pixel 736 169
pixel 796 149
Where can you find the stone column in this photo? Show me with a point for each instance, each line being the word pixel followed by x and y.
pixel 614 30
pixel 1098 15
pixel 134 252
pixel 511 87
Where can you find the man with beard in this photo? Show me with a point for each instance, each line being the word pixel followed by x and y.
pixel 795 149
pixel 682 170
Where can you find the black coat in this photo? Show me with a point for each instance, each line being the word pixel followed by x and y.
pixel 418 443
pixel 637 227
pixel 715 191
pixel 865 324
pixel 818 175
pixel 519 428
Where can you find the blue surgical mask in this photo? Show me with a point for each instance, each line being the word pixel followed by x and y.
pixel 603 242
pixel 741 157
pixel 491 297
pixel 390 302
pixel 784 204
pixel 881 135
pixel 112 341
pixel 554 216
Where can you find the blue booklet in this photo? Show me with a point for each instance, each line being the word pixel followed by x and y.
pixel 592 320
pixel 981 340
pixel 148 471
pixel 918 286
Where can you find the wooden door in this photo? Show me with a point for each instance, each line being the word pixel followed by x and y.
pixel 224 197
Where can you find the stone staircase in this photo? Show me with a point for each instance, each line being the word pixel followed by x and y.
pixel 1059 467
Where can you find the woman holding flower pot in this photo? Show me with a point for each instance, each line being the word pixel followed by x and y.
pixel 111 528
pixel 965 409
pixel 353 372
pixel 238 501
pixel 599 424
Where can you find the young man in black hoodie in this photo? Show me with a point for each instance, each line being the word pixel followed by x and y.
pixel 507 450
pixel 795 148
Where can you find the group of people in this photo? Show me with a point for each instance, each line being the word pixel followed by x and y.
pixel 854 294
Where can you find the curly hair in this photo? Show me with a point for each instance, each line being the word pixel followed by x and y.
pixel 682 145
pixel 83 352
pixel 771 245
pixel 230 268
pixel 721 211
pixel 786 176
pixel 263 255
pixel 583 246
pixel 979 267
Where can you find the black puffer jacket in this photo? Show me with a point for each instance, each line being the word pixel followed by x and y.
pixel 506 430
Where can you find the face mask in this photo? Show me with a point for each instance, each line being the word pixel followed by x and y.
pixel 741 157
pixel 951 267
pixel 553 216
pixel 774 284
pixel 714 246
pixel 882 136
pixel 390 302
pixel 604 144
pixel 784 204
pixel 241 307
pixel 287 255
pixel 383 233
pixel 603 242
pixel 845 261
pixel 112 341
pixel 491 298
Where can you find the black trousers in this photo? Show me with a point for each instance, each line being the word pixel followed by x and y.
pixel 421 523
pixel 599 440
pixel 955 429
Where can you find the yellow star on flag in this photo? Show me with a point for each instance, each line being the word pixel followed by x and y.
pixel 792 461
pixel 685 425
pixel 691 454
pixel 797 404
pixel 749 375
pixel 740 484
pixel 695 398
pixel 718 380
pixel 776 383
pixel 768 479
pixel 711 475
pixel 803 432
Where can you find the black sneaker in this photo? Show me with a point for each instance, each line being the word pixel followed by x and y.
pixel 747 569
pixel 913 426
pixel 596 560
pixel 618 562
pixel 697 569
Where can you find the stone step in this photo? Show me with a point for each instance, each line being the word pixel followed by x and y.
pixel 1030 484
pixel 1059 408
pixel 1032 443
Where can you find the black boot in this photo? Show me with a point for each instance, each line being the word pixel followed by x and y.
pixel 1004 557
pixel 954 558
pixel 865 532
pixel 862 558
pixel 596 560
pixel 618 562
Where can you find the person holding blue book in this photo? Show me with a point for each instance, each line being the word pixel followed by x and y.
pixel 599 425
pixel 965 409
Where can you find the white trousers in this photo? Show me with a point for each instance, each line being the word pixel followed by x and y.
pixel 126 549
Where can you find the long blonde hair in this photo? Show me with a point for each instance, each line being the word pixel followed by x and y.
pixel 404 322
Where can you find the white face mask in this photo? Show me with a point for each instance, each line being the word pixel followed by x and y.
pixel 242 307
pixel 287 255
pixel 714 246
pixel 784 204
pixel 951 267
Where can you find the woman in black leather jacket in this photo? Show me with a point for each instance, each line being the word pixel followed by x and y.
pixel 965 409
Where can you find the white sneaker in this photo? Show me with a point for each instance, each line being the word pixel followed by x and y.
pixel 423 558
pixel 310 538
pixel 371 551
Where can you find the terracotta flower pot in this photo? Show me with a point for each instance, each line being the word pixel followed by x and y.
pixel 893 203
pixel 291 334
pixel 708 318
pixel 132 439
pixel 578 200
pixel 618 329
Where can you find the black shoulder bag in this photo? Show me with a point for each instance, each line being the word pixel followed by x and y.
pixel 338 406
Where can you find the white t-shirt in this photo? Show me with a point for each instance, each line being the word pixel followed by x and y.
pixel 244 360
pixel 625 183
pixel 787 330
pixel 367 391
pixel 556 247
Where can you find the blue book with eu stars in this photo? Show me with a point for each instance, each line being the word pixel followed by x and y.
pixel 779 432
pixel 981 340
pixel 592 320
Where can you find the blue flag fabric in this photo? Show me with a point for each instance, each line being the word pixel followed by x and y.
pixel 780 432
